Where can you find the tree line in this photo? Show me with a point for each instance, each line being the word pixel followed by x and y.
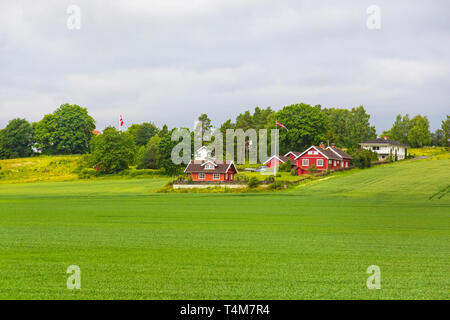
pixel 69 130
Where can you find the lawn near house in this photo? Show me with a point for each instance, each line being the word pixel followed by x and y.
pixel 311 242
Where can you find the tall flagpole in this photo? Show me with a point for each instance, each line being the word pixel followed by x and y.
pixel 275 155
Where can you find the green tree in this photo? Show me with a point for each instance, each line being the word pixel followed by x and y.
pixel 66 131
pixel 419 135
pixel 358 128
pixel 206 123
pixel 165 150
pixel 113 151
pixel 446 129
pixel 152 154
pixel 400 129
pixel 142 133
pixel 437 138
pixel 17 139
pixel 307 126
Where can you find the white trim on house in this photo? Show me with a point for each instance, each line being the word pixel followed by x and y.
pixel 303 163
pixel 209 161
pixel 187 166
pixel 272 157
pixel 203 175
pixel 314 147
pixel 232 163
pixel 331 149
pixel 216 175
pixel 321 162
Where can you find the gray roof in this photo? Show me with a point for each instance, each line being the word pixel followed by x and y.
pixel 221 166
pixel 384 141
pixel 342 153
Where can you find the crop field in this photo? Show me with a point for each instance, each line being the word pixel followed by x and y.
pixel 315 241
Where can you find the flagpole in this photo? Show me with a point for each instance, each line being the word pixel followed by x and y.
pixel 275 155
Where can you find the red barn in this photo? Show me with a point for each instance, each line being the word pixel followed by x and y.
pixel 211 170
pixel 322 158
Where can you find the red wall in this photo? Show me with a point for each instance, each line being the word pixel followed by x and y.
pixel 273 162
pixel 210 176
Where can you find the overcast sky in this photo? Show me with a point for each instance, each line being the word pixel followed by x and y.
pixel 167 61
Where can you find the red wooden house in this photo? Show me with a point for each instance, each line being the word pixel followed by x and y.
pixel 276 160
pixel 211 170
pixel 322 158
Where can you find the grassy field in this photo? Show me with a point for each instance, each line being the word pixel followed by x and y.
pixel 312 242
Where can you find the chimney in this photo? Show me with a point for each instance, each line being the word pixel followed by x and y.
pixel 385 137
pixel 332 145
pixel 322 145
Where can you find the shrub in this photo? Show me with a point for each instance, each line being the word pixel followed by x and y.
pixel 87 173
pixel 293 172
pixel 277 185
pixel 241 178
pixel 312 170
pixel 285 167
pixel 253 182
pixel 270 179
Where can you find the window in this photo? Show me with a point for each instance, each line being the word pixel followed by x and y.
pixel 346 164
pixel 209 166
pixel 201 175
pixel 375 148
pixel 310 152
pixel 319 162
pixel 216 176
pixel 342 163
pixel 226 176
pixel 231 176
pixel 330 161
pixel 305 162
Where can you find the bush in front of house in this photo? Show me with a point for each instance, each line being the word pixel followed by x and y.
pixel 285 167
pixel 253 182
pixel 293 172
pixel 362 158
pixel 88 173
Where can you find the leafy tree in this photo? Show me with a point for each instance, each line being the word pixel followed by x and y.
pixel 437 138
pixel 446 129
pixel 419 135
pixel 285 167
pixel 307 125
pixel 152 154
pixel 253 182
pixel 142 132
pixel 359 128
pixel 347 128
pixel 400 129
pixel 165 150
pixel 164 131
pixel 66 131
pixel 16 139
pixel 113 151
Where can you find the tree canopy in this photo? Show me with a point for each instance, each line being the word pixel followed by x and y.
pixel 16 139
pixel 113 151
pixel 142 133
pixel 66 131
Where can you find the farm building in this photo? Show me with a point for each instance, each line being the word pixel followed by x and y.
pixel 386 147
pixel 211 170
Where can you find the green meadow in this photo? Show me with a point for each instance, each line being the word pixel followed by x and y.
pixel 315 241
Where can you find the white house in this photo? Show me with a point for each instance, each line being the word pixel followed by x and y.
pixel 203 153
pixel 385 147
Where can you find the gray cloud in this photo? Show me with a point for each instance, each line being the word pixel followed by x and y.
pixel 168 61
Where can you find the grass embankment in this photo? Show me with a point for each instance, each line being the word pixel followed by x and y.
pixel 311 242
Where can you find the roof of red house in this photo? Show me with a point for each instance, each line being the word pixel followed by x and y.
pixel 341 153
pixel 326 153
pixel 220 166
pixel 295 153
pixel 283 159
pixel 96 132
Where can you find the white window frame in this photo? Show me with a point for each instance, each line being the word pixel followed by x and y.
pixel 201 176
pixel 346 164
pixel 330 161
pixel 216 175
pixel 320 162
pixel 226 176
pixel 305 162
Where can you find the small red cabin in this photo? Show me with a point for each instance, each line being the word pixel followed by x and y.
pixel 211 170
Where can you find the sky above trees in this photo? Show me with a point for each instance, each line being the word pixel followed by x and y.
pixel 169 61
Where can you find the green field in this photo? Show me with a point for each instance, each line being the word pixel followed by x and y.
pixel 312 242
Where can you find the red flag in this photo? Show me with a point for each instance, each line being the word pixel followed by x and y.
pixel 283 126
pixel 121 121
